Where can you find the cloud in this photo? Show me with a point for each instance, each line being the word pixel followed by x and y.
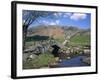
pixel 70 15
pixel 58 14
pixel 67 15
pixel 61 14
pixel 78 16
pixel 52 23
pixel 55 14
pixel 45 22
pixel 57 21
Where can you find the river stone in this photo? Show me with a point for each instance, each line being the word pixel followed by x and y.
pixel 28 56
pixel 87 60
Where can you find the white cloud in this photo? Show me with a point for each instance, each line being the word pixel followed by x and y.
pixel 78 16
pixel 61 14
pixel 57 21
pixel 67 15
pixel 57 14
pixel 72 16
pixel 52 23
pixel 49 22
pixel 45 22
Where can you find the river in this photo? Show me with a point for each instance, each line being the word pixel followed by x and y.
pixel 73 62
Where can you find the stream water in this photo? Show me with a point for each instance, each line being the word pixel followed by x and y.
pixel 73 62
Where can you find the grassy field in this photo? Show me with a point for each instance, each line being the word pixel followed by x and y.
pixel 80 40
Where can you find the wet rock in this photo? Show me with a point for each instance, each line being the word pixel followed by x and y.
pixel 28 56
pixel 87 60
pixel 53 65
pixel 87 52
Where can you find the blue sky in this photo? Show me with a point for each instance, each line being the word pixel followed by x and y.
pixel 81 20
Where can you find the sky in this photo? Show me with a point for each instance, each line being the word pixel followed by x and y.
pixel 81 20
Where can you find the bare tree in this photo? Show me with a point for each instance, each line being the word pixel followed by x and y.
pixel 30 16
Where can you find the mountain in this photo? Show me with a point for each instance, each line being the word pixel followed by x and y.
pixel 55 32
pixel 59 32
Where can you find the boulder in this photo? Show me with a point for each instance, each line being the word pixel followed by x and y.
pixel 87 60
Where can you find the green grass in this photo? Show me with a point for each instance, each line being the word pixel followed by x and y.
pixel 60 40
pixel 80 40
pixel 42 60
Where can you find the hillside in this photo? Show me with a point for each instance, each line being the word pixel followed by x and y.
pixel 41 39
pixel 80 39
pixel 76 35
pixel 52 32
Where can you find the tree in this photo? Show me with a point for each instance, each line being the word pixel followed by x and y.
pixel 30 16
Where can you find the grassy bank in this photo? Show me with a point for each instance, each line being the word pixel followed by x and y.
pixel 42 60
